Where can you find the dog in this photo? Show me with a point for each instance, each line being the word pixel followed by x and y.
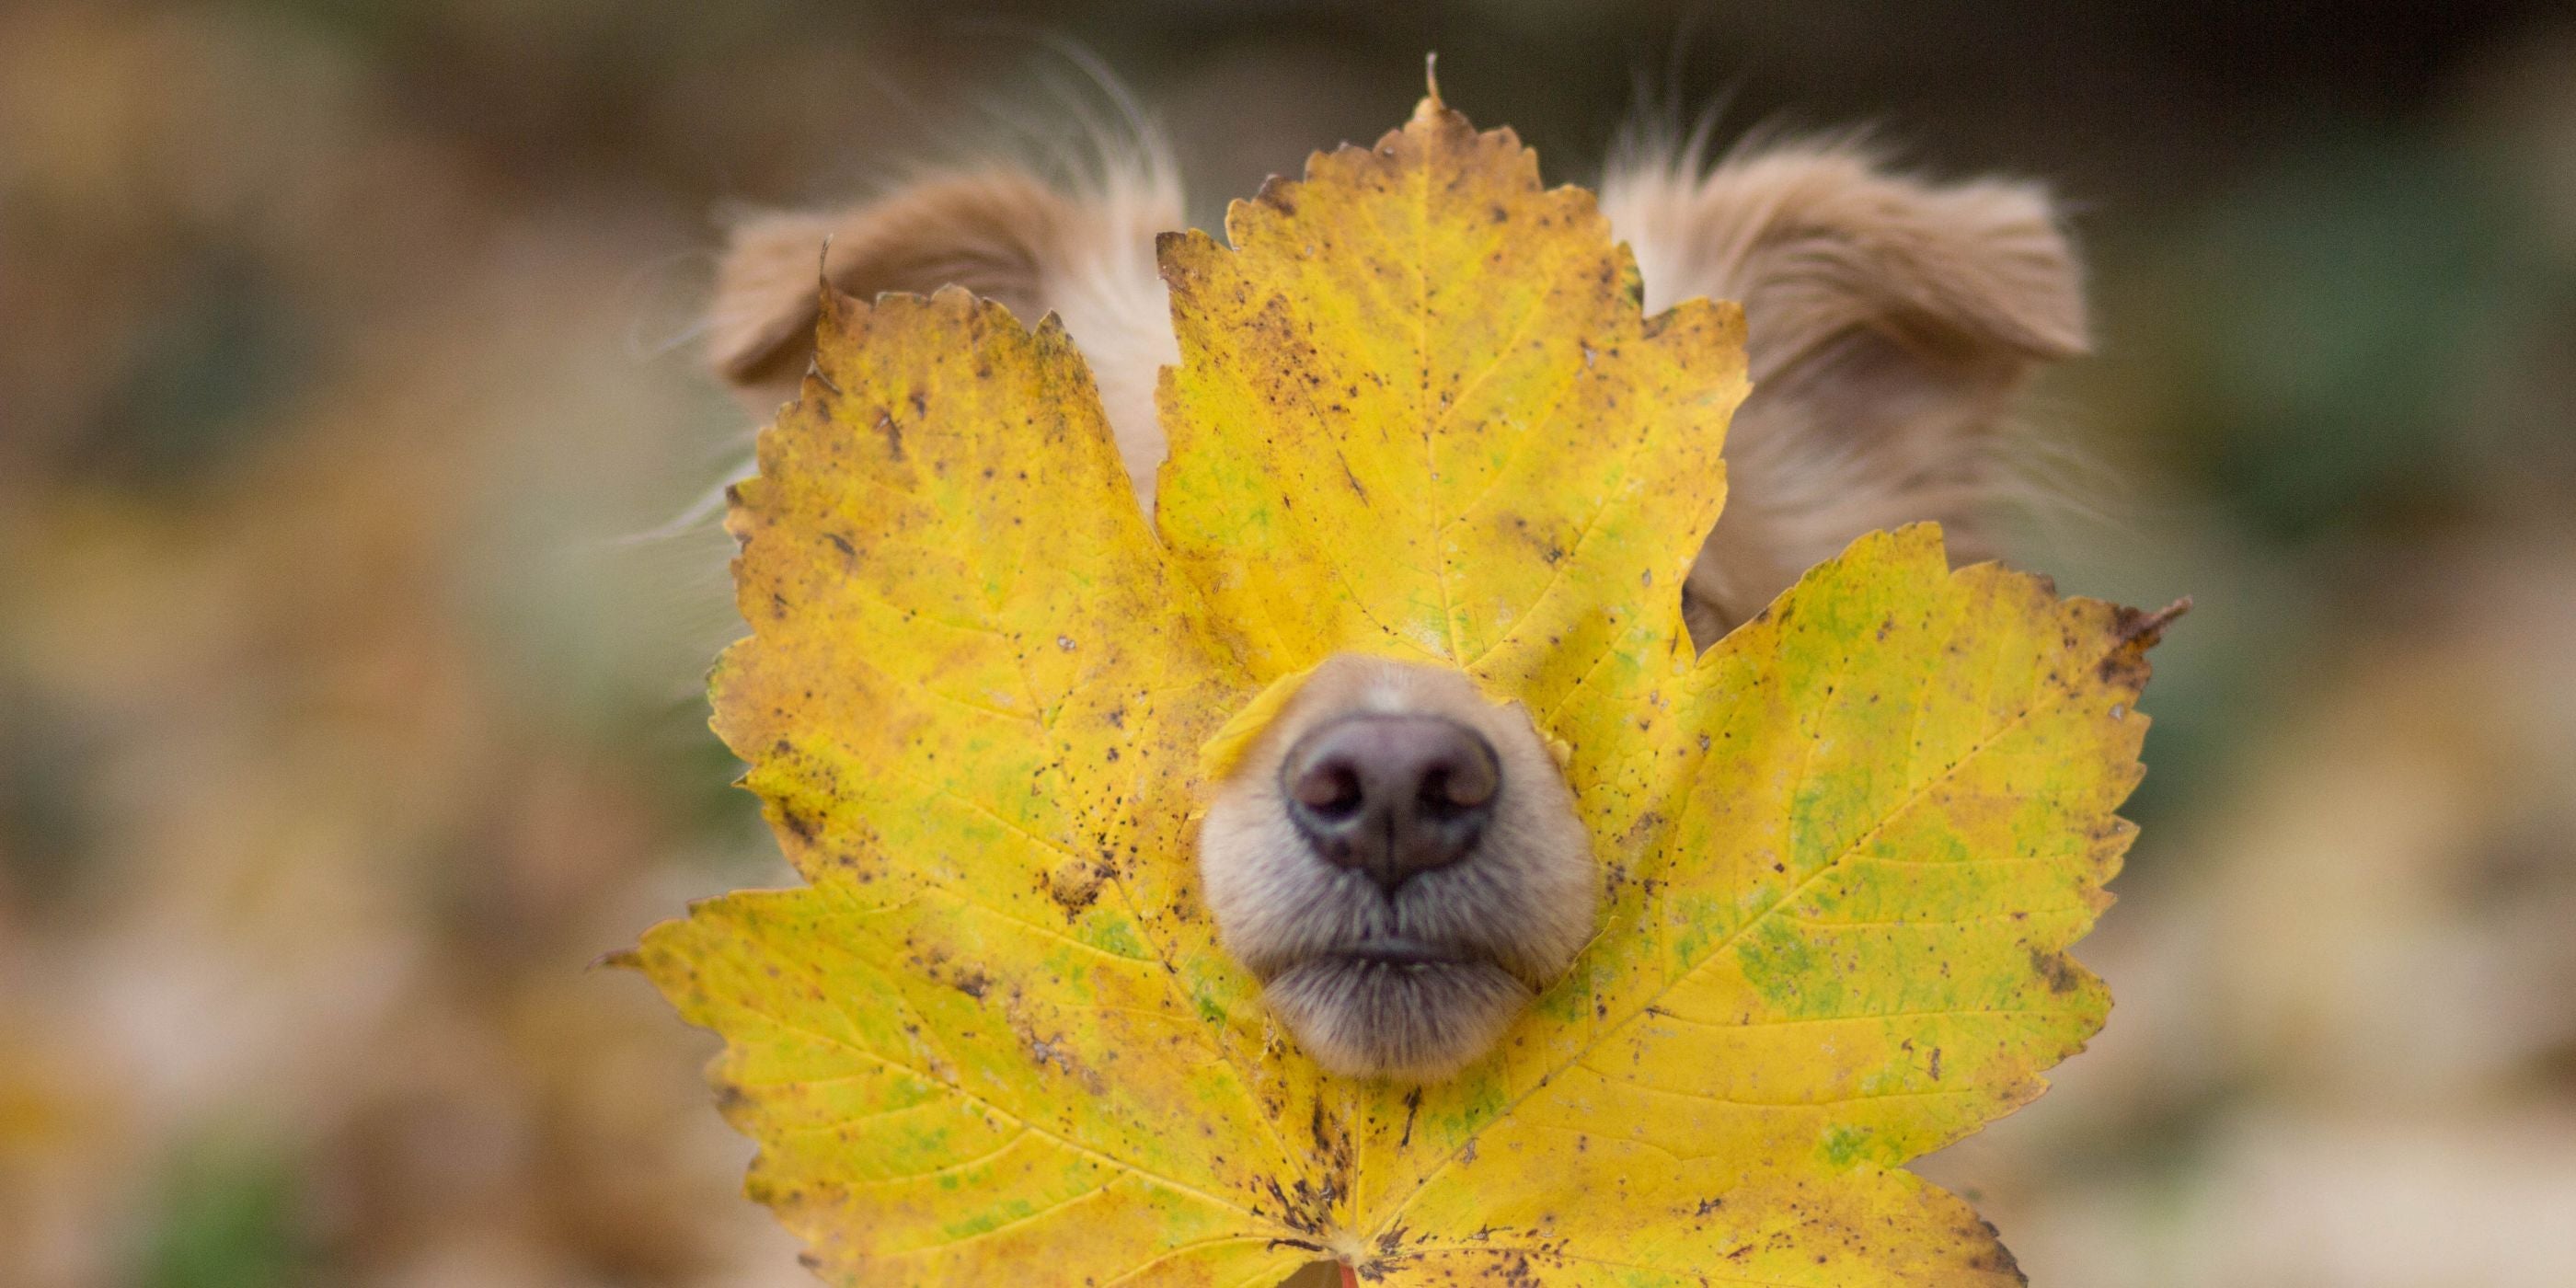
pixel 1396 857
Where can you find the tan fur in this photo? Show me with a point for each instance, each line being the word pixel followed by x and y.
pixel 1513 912
pixel 1891 321
pixel 1086 256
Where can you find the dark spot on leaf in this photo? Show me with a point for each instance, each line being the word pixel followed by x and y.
pixel 2056 969
pixel 803 825
pixel 1074 887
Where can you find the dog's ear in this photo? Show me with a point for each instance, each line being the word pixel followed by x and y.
pixel 1085 254
pixel 1889 323
pixel 988 231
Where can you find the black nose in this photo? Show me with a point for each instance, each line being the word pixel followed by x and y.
pixel 1391 795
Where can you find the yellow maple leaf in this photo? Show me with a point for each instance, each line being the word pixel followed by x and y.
pixel 1419 413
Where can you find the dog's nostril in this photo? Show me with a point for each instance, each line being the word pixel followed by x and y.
pixel 1391 796
pixel 1330 788
pixel 1466 786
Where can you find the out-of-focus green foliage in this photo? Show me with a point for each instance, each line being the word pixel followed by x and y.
pixel 226 1219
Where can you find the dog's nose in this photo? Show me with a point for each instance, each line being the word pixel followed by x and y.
pixel 1391 795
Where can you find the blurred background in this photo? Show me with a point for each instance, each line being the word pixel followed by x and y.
pixel 349 698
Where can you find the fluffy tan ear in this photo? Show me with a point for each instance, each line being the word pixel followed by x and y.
pixel 1889 323
pixel 985 230
pixel 1000 232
